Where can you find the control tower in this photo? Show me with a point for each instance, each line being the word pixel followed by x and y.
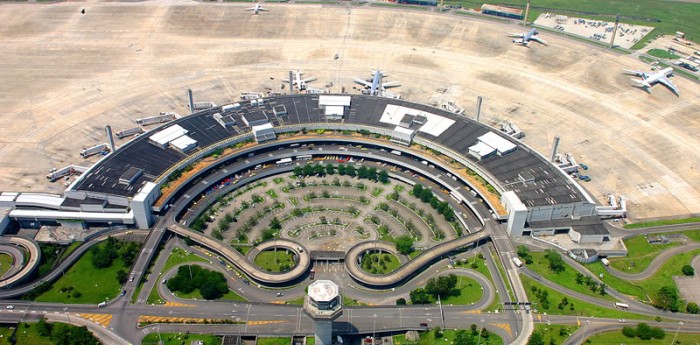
pixel 323 304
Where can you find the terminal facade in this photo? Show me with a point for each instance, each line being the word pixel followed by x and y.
pixel 528 192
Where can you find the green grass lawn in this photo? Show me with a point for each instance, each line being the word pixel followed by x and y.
pixel 385 263
pixel 616 338
pixel 660 53
pixel 294 201
pixel 5 333
pixel 428 338
pixel 377 191
pixel 662 222
pixel 621 285
pixel 674 16
pixel 310 340
pixel 278 180
pixel 556 334
pixel 273 261
pixel 27 334
pixel 5 263
pixel 566 278
pixel 581 308
pixel 470 292
pixel 180 338
pixel 95 285
pixel 483 269
pixel 649 287
pixel 640 254
pixel 178 256
pixel 243 249
pixel 275 341
pixel 154 296
pixel 692 234
pixel 272 194
pixel 71 248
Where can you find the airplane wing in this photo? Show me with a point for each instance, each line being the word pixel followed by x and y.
pixel 390 84
pixel 262 9
pixel 539 40
pixel 363 82
pixel 667 82
pixel 250 9
pixel 633 72
pixel 308 80
pixel 516 35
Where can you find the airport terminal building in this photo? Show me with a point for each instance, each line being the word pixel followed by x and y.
pixel 124 187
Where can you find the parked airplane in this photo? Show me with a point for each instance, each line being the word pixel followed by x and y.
pixel 525 38
pixel 649 79
pixel 375 86
pixel 256 9
pixel 298 82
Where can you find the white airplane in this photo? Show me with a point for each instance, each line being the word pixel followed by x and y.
pixel 298 82
pixel 257 9
pixel 376 87
pixel 649 79
pixel 525 38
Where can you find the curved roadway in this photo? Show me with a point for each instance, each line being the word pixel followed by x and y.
pixel 408 269
pixel 655 264
pixel 28 267
pixel 242 262
pixel 63 266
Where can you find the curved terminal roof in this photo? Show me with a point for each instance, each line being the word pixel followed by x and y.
pixel 545 184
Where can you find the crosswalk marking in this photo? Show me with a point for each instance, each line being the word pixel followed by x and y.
pixel 101 319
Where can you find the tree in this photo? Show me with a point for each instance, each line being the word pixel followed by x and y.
pixel 330 169
pixel 556 263
pixel 298 171
pixel 644 331
pixel 485 333
pixel 122 276
pixel 275 224
pixel 419 296
pixel 437 332
pixel 667 298
pixel 43 328
pixel 383 176
pixel 404 244
pixel 401 301
pixel 658 333
pixel 629 332
pixel 536 339
pixel 688 270
pixel 602 290
pixel 474 328
pixel 442 286
pixel 463 338
pixel 103 257
pixel 692 308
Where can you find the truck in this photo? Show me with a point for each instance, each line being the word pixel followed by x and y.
pixel 102 304
pixel 605 261
pixel 129 132
pixel 517 262
pixel 91 151
pixel 55 174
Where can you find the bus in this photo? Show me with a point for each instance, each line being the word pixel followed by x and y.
pixel 517 262
pixel 304 157
pixel 284 161
pixel 623 306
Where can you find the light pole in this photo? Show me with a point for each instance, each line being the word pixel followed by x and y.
pixel 374 330
pixel 442 315
pixel 680 323
pixel 480 330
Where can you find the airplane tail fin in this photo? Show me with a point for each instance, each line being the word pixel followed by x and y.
pixel 640 83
